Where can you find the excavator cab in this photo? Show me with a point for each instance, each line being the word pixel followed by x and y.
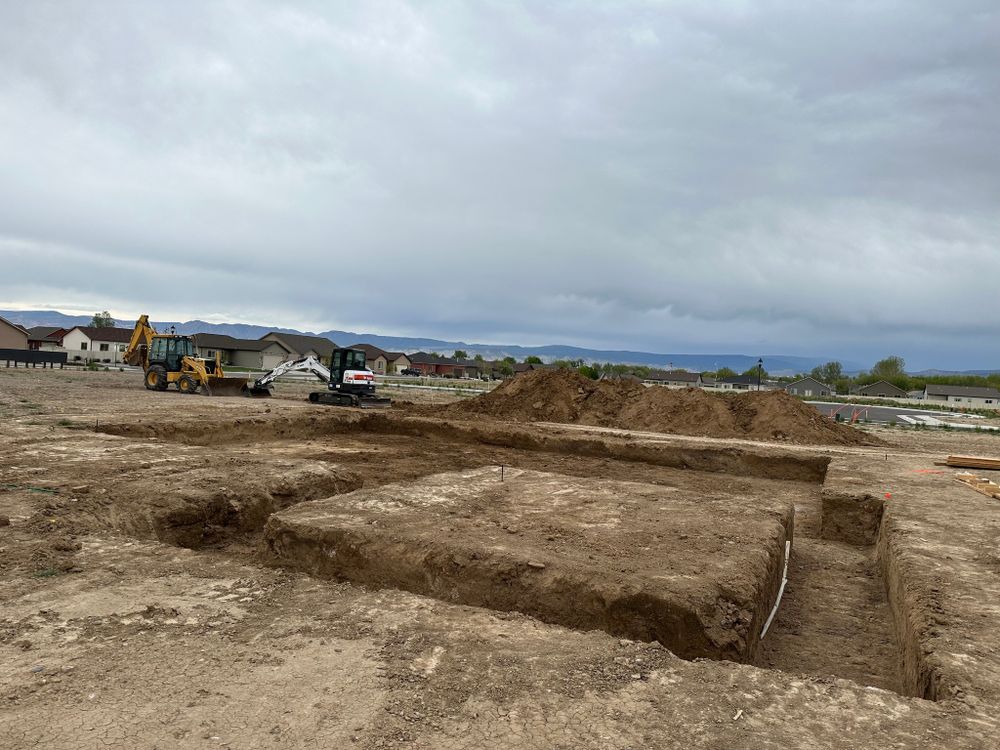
pixel 345 360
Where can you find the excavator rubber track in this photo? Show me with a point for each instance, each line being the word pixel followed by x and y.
pixel 347 399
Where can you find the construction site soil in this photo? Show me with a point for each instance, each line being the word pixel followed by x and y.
pixel 189 572
pixel 565 396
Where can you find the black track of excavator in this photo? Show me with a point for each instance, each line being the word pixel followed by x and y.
pixel 331 398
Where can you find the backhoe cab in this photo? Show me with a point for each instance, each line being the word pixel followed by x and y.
pixel 169 359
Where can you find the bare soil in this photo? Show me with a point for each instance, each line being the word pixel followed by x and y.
pixel 632 559
pixel 566 396
pixel 139 607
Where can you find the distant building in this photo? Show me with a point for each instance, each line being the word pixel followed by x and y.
pixel 746 383
pixel 882 389
pixel 964 395
pixel 300 345
pixel 382 362
pixel 90 344
pixel 809 387
pixel 429 364
pixel 254 354
pixel 12 336
pixel 46 338
pixel 675 378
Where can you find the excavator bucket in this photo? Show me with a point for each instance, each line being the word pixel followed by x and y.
pixel 254 392
pixel 374 402
pixel 219 386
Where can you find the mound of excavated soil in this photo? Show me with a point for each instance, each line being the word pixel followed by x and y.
pixel 568 397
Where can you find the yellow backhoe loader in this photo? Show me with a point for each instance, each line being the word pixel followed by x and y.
pixel 168 358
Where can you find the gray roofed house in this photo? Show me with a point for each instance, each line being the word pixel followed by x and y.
pixel 809 387
pixel 747 383
pixel 302 345
pixel 256 354
pixel 963 394
pixel 882 389
pixel 383 362
pixel 47 338
pixel 675 378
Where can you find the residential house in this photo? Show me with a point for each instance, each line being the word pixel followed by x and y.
pixel 675 378
pixel 12 336
pixel 746 383
pixel 967 396
pixel 521 367
pixel 90 344
pixel 301 345
pixel 430 364
pixel 882 389
pixel 253 354
pixel 810 387
pixel 377 360
pixel 476 368
pixel 46 338
pixel 396 362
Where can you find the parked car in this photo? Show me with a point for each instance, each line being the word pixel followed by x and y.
pixel 409 371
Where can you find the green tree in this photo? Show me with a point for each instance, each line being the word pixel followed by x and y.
pixel 102 320
pixel 479 358
pixel 724 372
pixel 509 360
pixel 753 371
pixel 461 354
pixel 532 360
pixel 889 368
pixel 829 373
pixel 506 368
pixel 589 371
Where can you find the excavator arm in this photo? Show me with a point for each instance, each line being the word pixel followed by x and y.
pixel 303 364
pixel 137 353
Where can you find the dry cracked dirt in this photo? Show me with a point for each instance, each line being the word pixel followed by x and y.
pixel 190 572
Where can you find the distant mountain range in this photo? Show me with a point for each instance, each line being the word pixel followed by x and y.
pixel 932 373
pixel 776 364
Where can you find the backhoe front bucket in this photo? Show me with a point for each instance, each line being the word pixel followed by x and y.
pixel 226 386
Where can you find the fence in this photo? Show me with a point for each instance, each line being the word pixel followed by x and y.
pixel 33 358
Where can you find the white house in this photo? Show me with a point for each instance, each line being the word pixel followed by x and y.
pixel 88 344
pixel 967 396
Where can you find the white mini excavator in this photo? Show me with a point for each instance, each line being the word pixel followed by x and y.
pixel 348 380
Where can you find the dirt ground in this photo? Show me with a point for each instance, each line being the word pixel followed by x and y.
pixel 140 606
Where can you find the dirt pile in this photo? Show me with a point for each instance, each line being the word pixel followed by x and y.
pixel 568 397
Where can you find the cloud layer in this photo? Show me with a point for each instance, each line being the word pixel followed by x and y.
pixel 815 178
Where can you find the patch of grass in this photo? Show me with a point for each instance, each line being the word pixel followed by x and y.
pixel 45 573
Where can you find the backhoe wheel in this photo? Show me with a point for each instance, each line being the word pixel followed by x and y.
pixel 187 384
pixel 156 378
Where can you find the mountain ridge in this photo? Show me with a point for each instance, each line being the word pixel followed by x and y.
pixel 776 364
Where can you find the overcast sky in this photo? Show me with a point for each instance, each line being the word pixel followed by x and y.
pixel 816 178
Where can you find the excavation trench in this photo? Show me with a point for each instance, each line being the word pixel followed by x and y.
pixel 764 463
pixel 699 572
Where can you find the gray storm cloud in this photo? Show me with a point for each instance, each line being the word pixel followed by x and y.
pixel 813 178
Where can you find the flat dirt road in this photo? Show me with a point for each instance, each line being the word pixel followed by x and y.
pixel 190 572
